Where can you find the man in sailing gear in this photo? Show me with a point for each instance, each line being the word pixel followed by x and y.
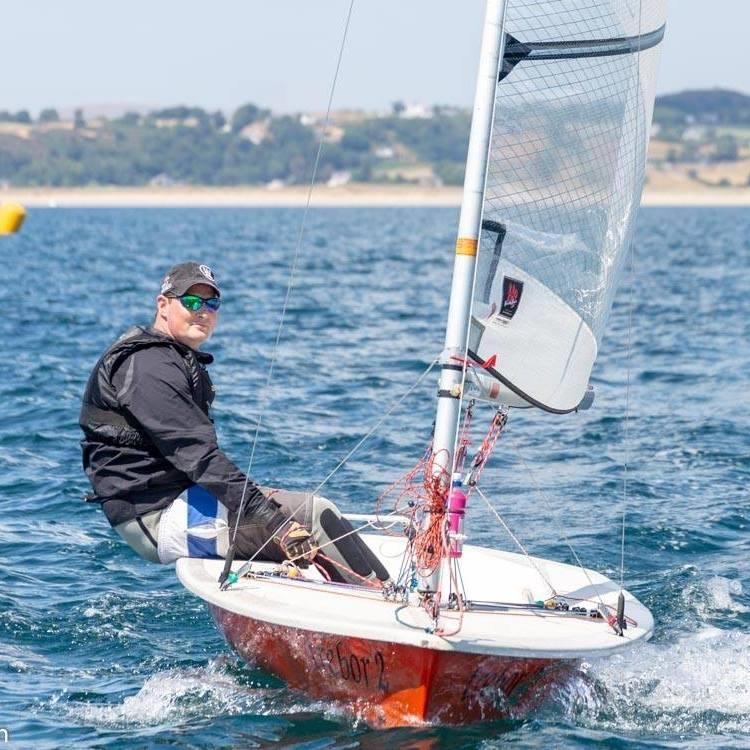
pixel 151 451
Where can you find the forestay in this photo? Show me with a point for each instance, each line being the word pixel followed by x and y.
pixel 567 158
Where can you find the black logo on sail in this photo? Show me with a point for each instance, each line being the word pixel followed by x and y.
pixel 512 291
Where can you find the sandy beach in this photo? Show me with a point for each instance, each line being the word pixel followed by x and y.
pixel 126 197
pixel 349 195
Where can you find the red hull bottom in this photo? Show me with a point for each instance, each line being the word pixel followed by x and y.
pixel 389 684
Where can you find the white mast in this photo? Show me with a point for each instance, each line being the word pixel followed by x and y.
pixel 469 227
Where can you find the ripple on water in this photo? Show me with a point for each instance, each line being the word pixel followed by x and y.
pixel 98 649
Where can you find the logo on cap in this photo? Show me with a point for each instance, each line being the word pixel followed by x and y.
pixel 207 272
pixel 166 284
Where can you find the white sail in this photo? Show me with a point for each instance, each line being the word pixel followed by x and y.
pixel 566 166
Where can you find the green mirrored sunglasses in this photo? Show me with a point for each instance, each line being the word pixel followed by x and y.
pixel 193 302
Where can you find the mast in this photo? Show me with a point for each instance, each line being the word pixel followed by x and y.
pixel 469 226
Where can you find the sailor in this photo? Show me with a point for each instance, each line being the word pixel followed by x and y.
pixel 150 451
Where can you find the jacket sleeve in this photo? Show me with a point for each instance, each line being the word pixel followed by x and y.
pixel 153 387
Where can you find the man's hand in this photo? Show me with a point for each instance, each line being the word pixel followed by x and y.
pixel 297 543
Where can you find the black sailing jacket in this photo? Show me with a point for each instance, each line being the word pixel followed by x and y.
pixel 147 431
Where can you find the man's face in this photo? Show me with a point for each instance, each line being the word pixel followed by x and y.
pixel 189 328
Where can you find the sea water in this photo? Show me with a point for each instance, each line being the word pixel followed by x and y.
pixel 100 649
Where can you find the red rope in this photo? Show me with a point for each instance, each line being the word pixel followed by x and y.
pixel 423 491
pixel 347 569
pixel 487 446
pixel 430 543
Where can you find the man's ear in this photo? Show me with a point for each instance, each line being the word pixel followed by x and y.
pixel 161 306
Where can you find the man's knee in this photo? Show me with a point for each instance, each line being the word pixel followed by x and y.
pixel 142 534
pixel 339 540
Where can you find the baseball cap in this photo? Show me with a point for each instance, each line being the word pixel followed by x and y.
pixel 181 277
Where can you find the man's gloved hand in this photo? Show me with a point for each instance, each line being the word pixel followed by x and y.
pixel 297 543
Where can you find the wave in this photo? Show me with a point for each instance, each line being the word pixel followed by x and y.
pixel 696 684
pixel 176 696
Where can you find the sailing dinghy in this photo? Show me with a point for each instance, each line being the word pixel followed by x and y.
pixel 553 182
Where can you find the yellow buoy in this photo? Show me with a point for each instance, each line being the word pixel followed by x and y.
pixel 11 217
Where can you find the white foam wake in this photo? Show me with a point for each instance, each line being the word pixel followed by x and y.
pixel 714 594
pixel 175 696
pixel 697 683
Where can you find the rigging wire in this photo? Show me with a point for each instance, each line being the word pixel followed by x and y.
pixel 376 426
pixel 631 286
pixel 561 527
pixel 515 539
pixel 246 566
pixel 372 524
pixel 293 267
pixel 375 522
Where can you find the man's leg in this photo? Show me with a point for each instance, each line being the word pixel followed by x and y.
pixel 142 534
pixel 343 554
pixel 196 524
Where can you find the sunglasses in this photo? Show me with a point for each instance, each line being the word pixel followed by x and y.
pixel 194 303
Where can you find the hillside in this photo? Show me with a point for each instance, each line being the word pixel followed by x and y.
pixel 189 146
pixel 699 137
pixel 711 106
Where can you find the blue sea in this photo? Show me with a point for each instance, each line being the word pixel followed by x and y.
pixel 99 649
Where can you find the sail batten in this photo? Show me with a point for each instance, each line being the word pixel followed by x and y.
pixel 567 161
pixel 516 50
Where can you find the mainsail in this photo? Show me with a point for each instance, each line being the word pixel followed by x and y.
pixel 565 171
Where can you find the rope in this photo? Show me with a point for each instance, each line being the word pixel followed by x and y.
pixel 365 581
pixel 295 260
pixel 245 568
pixel 430 544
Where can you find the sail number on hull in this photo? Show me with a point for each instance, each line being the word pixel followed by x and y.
pixel 337 662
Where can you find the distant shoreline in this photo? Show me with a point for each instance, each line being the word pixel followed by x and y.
pixel 348 196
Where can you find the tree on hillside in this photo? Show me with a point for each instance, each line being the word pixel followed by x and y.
pixel 49 115
pixel 290 148
pixel 451 172
pixel 669 116
pixel 439 139
pixel 131 150
pixel 708 105
pixel 355 141
pixel 22 117
pixel 129 118
pixel 247 114
pixel 12 161
pixel 726 148
pixel 182 113
pixel 78 121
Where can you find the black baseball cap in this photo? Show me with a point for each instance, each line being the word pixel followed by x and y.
pixel 181 277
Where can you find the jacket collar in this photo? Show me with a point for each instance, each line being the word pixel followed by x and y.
pixel 203 357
